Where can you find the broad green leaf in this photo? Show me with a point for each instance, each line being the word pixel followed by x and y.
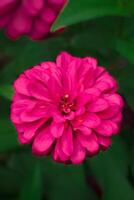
pixel 119 153
pixel 10 180
pixel 8 136
pixel 66 182
pixel 29 55
pixel 127 84
pixel 126 49
pixel 89 9
pixel 108 170
pixel 6 91
pixel 32 188
pixel 92 40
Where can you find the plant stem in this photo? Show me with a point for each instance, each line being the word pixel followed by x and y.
pixel 91 181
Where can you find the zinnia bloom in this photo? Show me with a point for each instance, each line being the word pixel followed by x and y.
pixel 29 17
pixel 69 109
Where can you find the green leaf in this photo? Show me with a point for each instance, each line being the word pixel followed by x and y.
pixel 6 91
pixel 32 188
pixel 29 55
pixel 126 49
pixel 127 84
pixel 108 170
pixel 63 181
pixel 92 40
pixel 8 136
pixel 15 177
pixel 88 9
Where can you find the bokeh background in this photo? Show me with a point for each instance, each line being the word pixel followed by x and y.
pixel 100 28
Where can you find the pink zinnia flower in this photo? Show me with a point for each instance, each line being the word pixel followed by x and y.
pixel 69 109
pixel 29 17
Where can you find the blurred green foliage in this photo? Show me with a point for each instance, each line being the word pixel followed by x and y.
pixel 100 28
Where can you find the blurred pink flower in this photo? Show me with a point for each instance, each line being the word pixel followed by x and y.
pixel 69 109
pixel 29 17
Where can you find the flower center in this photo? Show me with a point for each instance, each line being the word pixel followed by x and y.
pixel 66 106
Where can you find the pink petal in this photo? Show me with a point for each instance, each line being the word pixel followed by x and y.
pixel 6 6
pixel 25 104
pixel 98 105
pixel 20 24
pixel 102 86
pixel 58 118
pixel 33 7
pixel 38 90
pixel 106 83
pixel 91 120
pixel 32 110
pixel 84 69
pixel 22 140
pixel 92 62
pixel 107 128
pixel 105 142
pixel 69 78
pixel 15 118
pixel 48 15
pixel 58 154
pixel 80 111
pixel 4 20
pixel 57 129
pixel 83 99
pixel 42 142
pixel 28 130
pixel 34 114
pixel 54 2
pixel 54 88
pixel 110 112
pixel 85 130
pixel 93 92
pixel 67 142
pixel 117 118
pixel 63 60
pixel 79 153
pixel 90 143
pixel 115 98
pixel 99 71
pixel 21 85
pixel 70 117
pixel 40 29
pixel 20 106
pixel 87 74
pixel 28 135
pixel 38 73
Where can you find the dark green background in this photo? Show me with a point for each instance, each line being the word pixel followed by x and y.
pixel 100 28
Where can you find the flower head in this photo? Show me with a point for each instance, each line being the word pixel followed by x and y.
pixel 29 17
pixel 69 109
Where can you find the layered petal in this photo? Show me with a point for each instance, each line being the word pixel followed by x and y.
pixel 58 154
pixel 104 142
pixel 63 60
pixel 38 91
pixel 91 120
pixel 57 129
pixel 43 142
pixel 90 143
pixel 98 105
pixel 67 141
pixel 79 152
pixel 107 128
pixel 21 85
